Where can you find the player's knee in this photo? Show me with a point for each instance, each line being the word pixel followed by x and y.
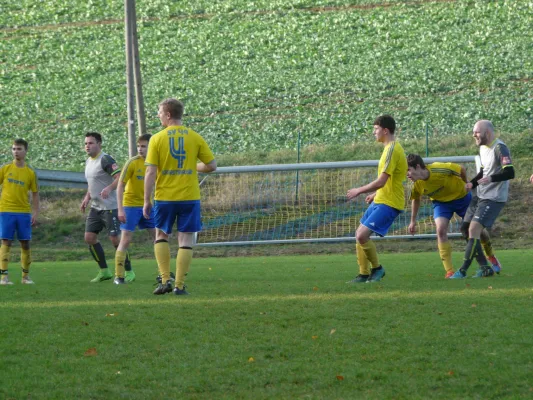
pixel 485 237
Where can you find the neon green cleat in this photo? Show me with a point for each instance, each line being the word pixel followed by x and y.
pixel 103 275
pixel 129 276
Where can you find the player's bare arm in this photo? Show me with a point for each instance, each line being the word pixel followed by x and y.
pixel 371 187
pixel 415 206
pixel 120 197
pixel 207 168
pixel 370 198
pixel 108 189
pixel 85 202
pixel 35 200
pixel 149 181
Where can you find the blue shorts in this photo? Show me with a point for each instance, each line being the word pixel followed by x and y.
pixel 379 218
pixel 187 214
pixel 15 222
pixel 134 218
pixel 446 209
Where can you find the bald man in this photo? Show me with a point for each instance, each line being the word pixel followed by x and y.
pixel 492 184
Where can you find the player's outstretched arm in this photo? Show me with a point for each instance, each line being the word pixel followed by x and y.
pixel 207 168
pixel 371 187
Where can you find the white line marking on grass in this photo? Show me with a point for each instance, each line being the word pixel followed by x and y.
pixel 272 298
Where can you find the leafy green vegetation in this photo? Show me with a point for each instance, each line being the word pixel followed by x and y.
pixel 271 327
pixel 255 74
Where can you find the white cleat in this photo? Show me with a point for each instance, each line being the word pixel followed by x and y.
pixel 26 280
pixel 5 281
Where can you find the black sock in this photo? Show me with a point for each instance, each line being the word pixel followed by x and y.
pixel 127 263
pixel 98 254
pixel 472 248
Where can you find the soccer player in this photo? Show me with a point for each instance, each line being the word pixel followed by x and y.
pixel 172 166
pixel 130 200
pixel 484 237
pixel 444 184
pixel 492 184
pixel 17 179
pixel 102 174
pixel 385 204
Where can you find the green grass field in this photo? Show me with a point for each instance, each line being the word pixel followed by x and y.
pixel 271 327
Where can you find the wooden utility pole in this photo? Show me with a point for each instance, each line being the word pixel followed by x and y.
pixel 133 77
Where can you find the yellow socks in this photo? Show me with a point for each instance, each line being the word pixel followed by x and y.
pixel 370 252
pixel 120 260
pixel 25 260
pixel 487 248
pixel 445 251
pixel 364 268
pixel 5 252
pixel 183 263
pixel 162 255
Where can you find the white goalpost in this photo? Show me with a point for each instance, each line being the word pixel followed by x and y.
pixel 301 203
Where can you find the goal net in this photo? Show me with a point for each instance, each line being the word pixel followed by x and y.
pixel 300 203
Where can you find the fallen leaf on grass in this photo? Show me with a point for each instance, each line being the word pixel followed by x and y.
pixel 315 288
pixel 118 372
pixel 490 287
pixel 314 337
pixel 210 268
pixel 474 306
pixel 468 285
pixel 110 315
pixel 251 359
pixel 340 377
pixel 332 331
pixel 90 352
pixel 451 372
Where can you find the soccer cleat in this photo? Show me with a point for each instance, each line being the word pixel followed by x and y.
pixel 163 288
pixel 5 280
pixel 103 275
pixel 180 292
pixel 478 274
pixel 119 281
pixel 448 274
pixel 172 278
pixel 376 274
pixel 129 276
pixel 496 266
pixel 361 278
pixel 487 271
pixel 26 280
pixel 458 275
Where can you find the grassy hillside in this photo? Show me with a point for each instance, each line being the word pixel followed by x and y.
pixel 255 74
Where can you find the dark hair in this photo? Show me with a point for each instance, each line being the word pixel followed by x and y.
pixel 95 135
pixel 21 142
pixel 146 137
pixel 174 107
pixel 414 159
pixel 387 122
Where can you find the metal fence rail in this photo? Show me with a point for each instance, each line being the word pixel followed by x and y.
pixel 68 179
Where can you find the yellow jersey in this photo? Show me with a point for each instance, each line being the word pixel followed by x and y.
pixel 444 183
pixel 394 164
pixel 16 182
pixel 133 176
pixel 175 151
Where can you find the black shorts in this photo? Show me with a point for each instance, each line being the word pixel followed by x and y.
pixel 100 219
pixel 483 211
